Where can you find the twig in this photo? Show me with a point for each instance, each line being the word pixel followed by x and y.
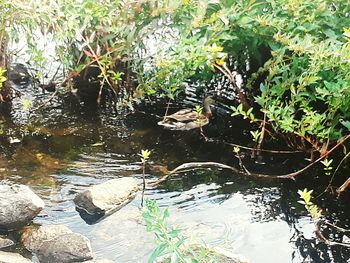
pixel 253 149
pixel 295 174
pixel 97 59
pixel 262 135
pixel 335 171
pixel 202 133
pixel 340 229
pixel 342 188
pixel 241 164
pixel 320 235
pixel 226 71
pixel 143 183
pixel 203 165
pixel 166 111
pixel 46 102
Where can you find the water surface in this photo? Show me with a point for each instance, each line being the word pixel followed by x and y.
pixel 61 153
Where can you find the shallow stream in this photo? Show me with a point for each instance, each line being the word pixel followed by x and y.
pixel 59 153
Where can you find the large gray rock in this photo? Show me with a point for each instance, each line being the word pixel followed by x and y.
pixel 107 197
pixel 56 243
pixel 18 206
pixel 7 257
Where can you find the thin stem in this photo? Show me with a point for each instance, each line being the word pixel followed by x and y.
pixel 144 182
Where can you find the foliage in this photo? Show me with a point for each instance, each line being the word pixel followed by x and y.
pixel 313 210
pixel 169 240
pixel 245 114
pixel 2 77
pixel 145 154
pixel 305 88
pixel 297 52
pixel 327 163
pixel 256 135
pixel 171 245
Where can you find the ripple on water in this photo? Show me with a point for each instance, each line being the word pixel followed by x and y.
pixel 247 221
pixel 103 165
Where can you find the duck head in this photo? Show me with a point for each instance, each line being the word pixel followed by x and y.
pixel 207 103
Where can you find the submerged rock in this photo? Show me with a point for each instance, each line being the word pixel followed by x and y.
pixel 19 74
pixel 106 198
pixel 56 243
pixel 207 254
pixel 7 257
pixel 5 242
pixel 225 256
pixel 18 206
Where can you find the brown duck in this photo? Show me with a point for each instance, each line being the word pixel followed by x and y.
pixel 188 119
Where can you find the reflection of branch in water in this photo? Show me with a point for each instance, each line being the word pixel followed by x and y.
pixel 345 185
pixel 329 242
pixel 45 102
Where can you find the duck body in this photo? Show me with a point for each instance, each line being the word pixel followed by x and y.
pixel 188 119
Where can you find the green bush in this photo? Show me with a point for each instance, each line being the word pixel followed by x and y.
pixel 297 51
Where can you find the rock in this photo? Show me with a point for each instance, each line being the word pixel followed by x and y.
pixel 18 206
pixel 225 256
pixel 56 243
pixel 208 255
pixel 5 242
pixel 7 257
pixel 106 198
pixel 99 261
pixel 19 74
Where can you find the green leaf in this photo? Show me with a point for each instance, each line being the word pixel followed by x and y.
pixel 346 124
pixel 159 251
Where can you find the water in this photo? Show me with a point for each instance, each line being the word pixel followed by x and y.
pixel 61 153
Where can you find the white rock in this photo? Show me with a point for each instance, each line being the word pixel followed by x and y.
pixel 56 243
pixel 5 242
pixel 18 206
pixel 107 197
pixel 7 257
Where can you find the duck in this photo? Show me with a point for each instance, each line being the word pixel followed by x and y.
pixel 188 119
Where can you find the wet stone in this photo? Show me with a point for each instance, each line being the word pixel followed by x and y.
pixel 7 257
pixel 56 243
pixel 18 206
pixel 19 74
pixel 5 242
pixel 106 198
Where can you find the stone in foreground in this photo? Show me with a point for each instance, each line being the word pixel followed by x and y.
pixel 99 261
pixel 106 198
pixel 18 206
pixel 5 242
pixel 57 243
pixel 7 257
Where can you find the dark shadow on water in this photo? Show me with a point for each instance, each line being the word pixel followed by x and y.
pixel 87 148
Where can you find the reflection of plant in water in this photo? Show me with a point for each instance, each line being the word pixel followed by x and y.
pixel 1 127
pixel 2 76
pixel 319 220
pixel 26 104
